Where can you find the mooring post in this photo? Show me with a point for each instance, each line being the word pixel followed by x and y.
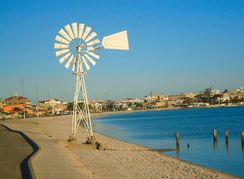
pixel 215 135
pixel 177 138
pixel 242 141
pixel 226 136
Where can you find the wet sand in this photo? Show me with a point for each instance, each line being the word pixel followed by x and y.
pixel 59 158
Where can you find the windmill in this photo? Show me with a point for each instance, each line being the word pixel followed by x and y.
pixel 76 44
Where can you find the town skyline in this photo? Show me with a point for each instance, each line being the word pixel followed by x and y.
pixel 21 106
pixel 49 96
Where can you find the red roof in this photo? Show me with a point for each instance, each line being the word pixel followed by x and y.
pixel 10 108
pixel 21 97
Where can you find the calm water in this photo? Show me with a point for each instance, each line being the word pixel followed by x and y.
pixel 157 130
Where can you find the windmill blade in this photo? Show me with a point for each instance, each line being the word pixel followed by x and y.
pixel 61 52
pixel 62 40
pixel 85 63
pixel 93 62
pixel 75 29
pixel 93 42
pixel 64 34
pixel 93 54
pixel 61 60
pixel 91 36
pixel 90 48
pixel 69 31
pixel 86 32
pixel 81 27
pixel 118 41
pixel 69 61
pixel 57 45
pixel 73 67
pixel 74 64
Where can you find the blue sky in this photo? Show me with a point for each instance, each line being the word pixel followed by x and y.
pixel 175 46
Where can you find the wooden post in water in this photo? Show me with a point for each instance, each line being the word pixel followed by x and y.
pixel 242 141
pixel 177 138
pixel 215 135
pixel 226 136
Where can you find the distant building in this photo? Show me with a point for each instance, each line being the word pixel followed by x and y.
pixel 150 98
pixel 190 95
pixel 96 105
pixel 1 104
pixel 215 92
pixel 52 105
pixel 17 104
pixel 18 100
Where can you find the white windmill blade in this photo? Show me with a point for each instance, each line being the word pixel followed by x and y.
pixel 85 63
pixel 69 61
pixel 61 39
pixel 74 64
pixel 75 29
pixel 118 41
pixel 90 48
pixel 64 34
pixel 91 36
pixel 86 32
pixel 61 60
pixel 93 42
pixel 69 31
pixel 93 62
pixel 61 52
pixel 81 28
pixel 57 45
pixel 93 54
pixel 73 67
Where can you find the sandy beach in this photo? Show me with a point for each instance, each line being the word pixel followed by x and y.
pixel 58 158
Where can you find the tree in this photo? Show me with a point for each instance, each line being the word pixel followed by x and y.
pixel 70 106
pixel 17 109
pixel 225 91
pixel 235 99
pixel 110 105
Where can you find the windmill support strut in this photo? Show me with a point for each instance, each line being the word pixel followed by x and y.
pixel 80 113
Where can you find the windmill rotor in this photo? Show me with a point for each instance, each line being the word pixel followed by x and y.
pixel 76 46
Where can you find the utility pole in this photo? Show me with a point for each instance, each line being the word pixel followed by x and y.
pixel 23 93
pixel 107 101
pixel 48 93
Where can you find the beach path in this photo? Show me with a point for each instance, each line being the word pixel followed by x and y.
pixel 13 150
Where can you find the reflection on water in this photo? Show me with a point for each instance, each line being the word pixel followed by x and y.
pixel 157 130
pixel 215 144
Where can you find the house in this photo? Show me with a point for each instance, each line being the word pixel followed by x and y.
pixel 18 100
pixel 53 106
pixel 17 104
pixel 96 106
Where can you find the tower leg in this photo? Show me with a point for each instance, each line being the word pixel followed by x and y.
pixel 81 113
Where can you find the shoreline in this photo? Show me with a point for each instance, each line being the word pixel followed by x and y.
pixel 94 115
pixel 120 160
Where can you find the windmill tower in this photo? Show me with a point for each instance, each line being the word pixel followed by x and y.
pixel 76 44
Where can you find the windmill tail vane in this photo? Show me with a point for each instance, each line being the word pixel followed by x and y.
pixel 77 45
